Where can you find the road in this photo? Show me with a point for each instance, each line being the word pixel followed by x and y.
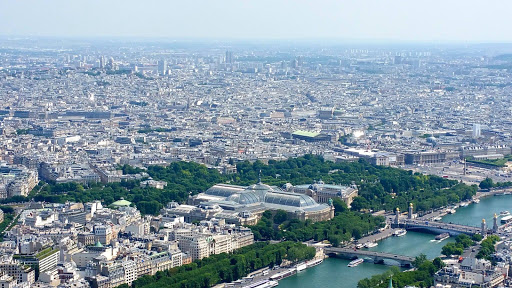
pixel 376 237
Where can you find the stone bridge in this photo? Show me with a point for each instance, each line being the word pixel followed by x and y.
pixel 378 257
pixel 436 227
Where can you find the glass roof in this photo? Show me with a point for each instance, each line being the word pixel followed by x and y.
pixel 297 200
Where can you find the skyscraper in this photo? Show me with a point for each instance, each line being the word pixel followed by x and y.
pixel 162 67
pixel 477 131
pixel 229 57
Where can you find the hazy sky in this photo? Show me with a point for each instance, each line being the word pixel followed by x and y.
pixel 404 20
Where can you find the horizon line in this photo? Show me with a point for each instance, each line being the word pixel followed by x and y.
pixel 331 40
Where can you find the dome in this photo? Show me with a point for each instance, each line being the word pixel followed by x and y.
pixel 122 202
pixel 287 187
pixel 260 187
pixel 244 198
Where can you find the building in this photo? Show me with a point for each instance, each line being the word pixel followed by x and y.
pixel 381 158
pixel 477 131
pixel 83 257
pixel 429 157
pixel 244 205
pixel 7 281
pixel 322 192
pixel 41 261
pixel 468 151
pixel 162 67
pixel 201 246
pixel 103 234
pixel 311 136
pixel 229 57
pixel 19 272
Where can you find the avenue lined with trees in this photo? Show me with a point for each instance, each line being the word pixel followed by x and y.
pixel 380 188
pixel 227 267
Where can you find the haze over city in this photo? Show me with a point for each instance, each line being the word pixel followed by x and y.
pixel 255 144
pixel 373 20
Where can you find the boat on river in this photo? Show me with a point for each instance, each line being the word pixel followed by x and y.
pixel 442 236
pixel 476 200
pixel 504 213
pixel 264 284
pixel 283 275
pixel 400 232
pixel 301 266
pixel 314 262
pixel 370 244
pixel 356 262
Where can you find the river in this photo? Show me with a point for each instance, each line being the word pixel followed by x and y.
pixel 334 273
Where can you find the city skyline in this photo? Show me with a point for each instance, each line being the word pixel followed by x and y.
pixel 148 144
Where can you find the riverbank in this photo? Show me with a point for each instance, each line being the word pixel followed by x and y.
pixel 276 273
pixel 337 273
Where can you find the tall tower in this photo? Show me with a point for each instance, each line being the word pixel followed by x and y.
pixel 477 131
pixel 409 214
pixel 495 223
pixel 397 216
pixel 102 62
pixel 229 57
pixel 162 67
pixel 483 228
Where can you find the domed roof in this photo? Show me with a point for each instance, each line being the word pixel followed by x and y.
pixel 122 202
pixel 260 187
pixel 244 198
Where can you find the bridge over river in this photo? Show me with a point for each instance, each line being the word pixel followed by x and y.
pixel 436 227
pixel 439 227
pixel 378 257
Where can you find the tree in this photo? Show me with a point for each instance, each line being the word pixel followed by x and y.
pixel 359 203
pixel 477 237
pixel 438 262
pixel 451 249
pixel 280 216
pixel 419 260
pixel 487 183
pixel 339 205
pixel 464 240
pixel 267 214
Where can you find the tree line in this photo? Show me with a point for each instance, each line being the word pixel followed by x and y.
pixel 379 187
pixel 227 267
pixel 422 276
pixel 488 183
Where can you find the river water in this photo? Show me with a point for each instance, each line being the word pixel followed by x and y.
pixel 334 273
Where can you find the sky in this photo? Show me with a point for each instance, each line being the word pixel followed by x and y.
pixel 373 20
